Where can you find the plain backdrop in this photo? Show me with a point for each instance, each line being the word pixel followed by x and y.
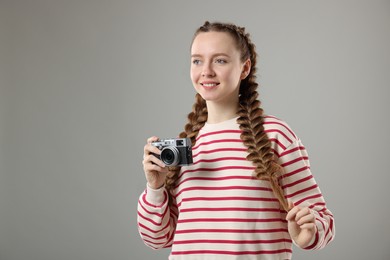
pixel 84 83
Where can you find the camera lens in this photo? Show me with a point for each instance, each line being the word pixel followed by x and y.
pixel 170 156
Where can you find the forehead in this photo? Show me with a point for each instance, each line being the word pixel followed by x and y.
pixel 217 42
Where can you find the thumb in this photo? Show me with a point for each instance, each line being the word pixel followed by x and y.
pixel 292 211
pixel 290 205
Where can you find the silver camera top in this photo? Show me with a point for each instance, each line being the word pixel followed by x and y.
pixel 179 142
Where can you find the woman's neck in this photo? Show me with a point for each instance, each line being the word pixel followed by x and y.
pixel 220 112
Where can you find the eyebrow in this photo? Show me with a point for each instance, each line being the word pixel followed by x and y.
pixel 214 55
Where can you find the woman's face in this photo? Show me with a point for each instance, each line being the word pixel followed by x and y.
pixel 216 67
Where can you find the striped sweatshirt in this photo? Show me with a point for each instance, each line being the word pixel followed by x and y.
pixel 221 211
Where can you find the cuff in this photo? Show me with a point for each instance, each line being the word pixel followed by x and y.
pixel 155 196
pixel 314 241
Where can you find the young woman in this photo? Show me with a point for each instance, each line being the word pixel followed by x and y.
pixel 250 193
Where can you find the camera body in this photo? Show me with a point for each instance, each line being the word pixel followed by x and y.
pixel 175 151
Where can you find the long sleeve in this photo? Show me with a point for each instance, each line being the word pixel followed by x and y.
pixel 156 218
pixel 301 188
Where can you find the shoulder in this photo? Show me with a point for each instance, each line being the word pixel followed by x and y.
pixel 279 131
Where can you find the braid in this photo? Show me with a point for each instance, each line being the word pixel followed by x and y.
pixel 196 120
pixel 251 120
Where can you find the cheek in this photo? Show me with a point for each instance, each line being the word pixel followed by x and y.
pixel 234 75
pixel 194 74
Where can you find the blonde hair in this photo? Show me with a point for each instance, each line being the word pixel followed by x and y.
pixel 250 117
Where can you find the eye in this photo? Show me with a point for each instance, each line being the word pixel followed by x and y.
pixel 220 61
pixel 195 62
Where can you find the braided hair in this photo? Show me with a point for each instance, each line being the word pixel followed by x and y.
pixel 250 117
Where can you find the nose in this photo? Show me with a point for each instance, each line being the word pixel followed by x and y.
pixel 207 70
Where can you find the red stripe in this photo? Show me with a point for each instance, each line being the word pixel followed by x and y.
pixel 319 195
pixel 331 224
pixel 322 223
pixel 279 123
pixel 170 240
pixel 219 132
pixel 329 229
pixel 229 198
pixel 276 141
pixel 220 159
pixel 220 252
pixel 251 231
pixel 216 179
pixel 150 220
pixel 299 148
pixel 220 150
pixel 295 172
pixel 275 152
pixel 272 117
pixel 218 169
pixel 314 243
pixel 303 158
pixel 302 191
pixel 153 243
pixel 153 213
pixel 218 141
pixel 155 206
pixel 151 230
pixel 297 182
pixel 321 203
pixel 223 188
pixel 232 209
pixel 244 220
pixel 324 211
pixel 280 132
pixel 210 241
pixel 154 238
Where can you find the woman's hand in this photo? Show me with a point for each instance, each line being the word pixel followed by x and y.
pixel 301 225
pixel 155 170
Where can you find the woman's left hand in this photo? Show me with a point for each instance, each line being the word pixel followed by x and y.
pixel 301 225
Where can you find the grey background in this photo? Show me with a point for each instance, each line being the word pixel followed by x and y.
pixel 84 83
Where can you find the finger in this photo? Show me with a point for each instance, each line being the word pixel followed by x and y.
pixel 148 149
pixel 153 160
pixel 148 145
pixel 308 226
pixel 153 168
pixel 152 139
pixel 302 212
pixel 292 213
pixel 290 205
pixel 306 219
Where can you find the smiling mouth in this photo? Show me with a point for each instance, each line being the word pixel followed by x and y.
pixel 209 85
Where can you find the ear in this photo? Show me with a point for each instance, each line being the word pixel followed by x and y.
pixel 246 69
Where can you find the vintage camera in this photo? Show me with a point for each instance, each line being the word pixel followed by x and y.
pixel 176 151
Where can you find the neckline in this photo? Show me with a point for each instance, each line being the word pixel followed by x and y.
pixel 225 121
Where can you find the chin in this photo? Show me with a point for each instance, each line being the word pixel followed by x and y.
pixel 207 96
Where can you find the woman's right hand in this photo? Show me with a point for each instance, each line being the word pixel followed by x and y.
pixel 155 170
